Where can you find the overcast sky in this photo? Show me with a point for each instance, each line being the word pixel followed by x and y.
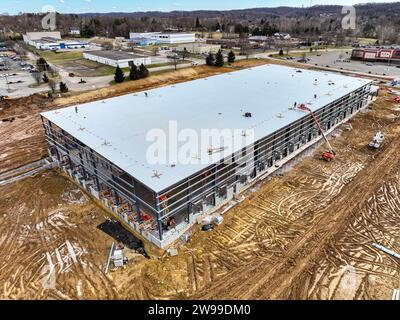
pixel 80 6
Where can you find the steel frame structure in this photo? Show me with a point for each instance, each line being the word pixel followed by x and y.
pixel 201 192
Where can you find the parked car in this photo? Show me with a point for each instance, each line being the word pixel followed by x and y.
pixel 173 56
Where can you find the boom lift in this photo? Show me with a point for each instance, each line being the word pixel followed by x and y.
pixel 330 154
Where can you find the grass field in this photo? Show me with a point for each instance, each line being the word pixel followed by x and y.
pixel 56 57
pixel 367 41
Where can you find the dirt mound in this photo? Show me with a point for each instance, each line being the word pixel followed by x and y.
pixel 156 80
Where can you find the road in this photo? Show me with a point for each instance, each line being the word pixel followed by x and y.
pixel 358 67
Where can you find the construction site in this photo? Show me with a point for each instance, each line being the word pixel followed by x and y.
pixel 161 201
pixel 310 213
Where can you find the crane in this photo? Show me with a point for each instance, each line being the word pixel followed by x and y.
pixel 330 154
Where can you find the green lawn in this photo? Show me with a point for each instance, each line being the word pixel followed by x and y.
pixel 367 41
pixel 55 58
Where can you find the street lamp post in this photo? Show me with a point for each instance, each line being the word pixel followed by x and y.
pixel 8 84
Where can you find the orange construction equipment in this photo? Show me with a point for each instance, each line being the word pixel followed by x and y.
pixel 330 154
pixel 4 98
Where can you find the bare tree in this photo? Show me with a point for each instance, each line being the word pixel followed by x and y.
pixel 38 77
pixel 244 46
pixel 175 62
pixel 52 85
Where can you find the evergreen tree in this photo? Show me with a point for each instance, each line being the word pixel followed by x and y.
pixel 143 72
pixel 45 78
pixel 210 60
pixel 219 59
pixel 256 32
pixel 184 54
pixel 231 57
pixel 217 27
pixel 134 73
pixel 87 31
pixel 281 52
pixel 239 28
pixel 63 87
pixel 42 65
pixel 198 25
pixel 119 75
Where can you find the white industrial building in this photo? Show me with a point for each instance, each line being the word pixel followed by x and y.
pixel 32 38
pixel 52 41
pixel 74 31
pixel 199 48
pixel 163 37
pixel 116 58
pixel 104 145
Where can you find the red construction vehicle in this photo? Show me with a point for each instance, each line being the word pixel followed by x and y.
pixel 330 154
pixel 2 98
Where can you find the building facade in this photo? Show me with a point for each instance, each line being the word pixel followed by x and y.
pixel 199 48
pixel 117 58
pixel 376 54
pixel 162 38
pixel 32 37
pixel 53 41
pixel 102 145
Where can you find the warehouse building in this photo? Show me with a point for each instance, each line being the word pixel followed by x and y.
pixel 146 38
pixel 32 37
pixel 199 48
pixel 108 146
pixel 53 41
pixel 116 58
pixel 377 54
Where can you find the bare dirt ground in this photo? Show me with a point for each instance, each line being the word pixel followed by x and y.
pixel 305 235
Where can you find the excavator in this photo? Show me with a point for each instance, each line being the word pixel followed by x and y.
pixel 330 154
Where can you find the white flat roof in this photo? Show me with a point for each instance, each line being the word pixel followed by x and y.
pixel 217 102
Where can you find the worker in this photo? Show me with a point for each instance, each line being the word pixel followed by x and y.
pixel 171 223
pixel 146 94
pixel 76 109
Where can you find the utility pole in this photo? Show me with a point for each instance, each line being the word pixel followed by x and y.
pixel 8 84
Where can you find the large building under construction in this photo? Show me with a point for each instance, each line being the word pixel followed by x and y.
pixel 108 146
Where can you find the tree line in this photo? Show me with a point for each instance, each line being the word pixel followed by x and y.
pixel 376 20
pixel 217 60
pixel 135 73
pixel 44 73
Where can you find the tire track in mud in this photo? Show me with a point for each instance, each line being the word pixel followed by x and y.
pixel 278 224
pixel 240 284
pixel 38 226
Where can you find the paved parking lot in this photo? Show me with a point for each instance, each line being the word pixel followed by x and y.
pixel 331 59
pixel 19 81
